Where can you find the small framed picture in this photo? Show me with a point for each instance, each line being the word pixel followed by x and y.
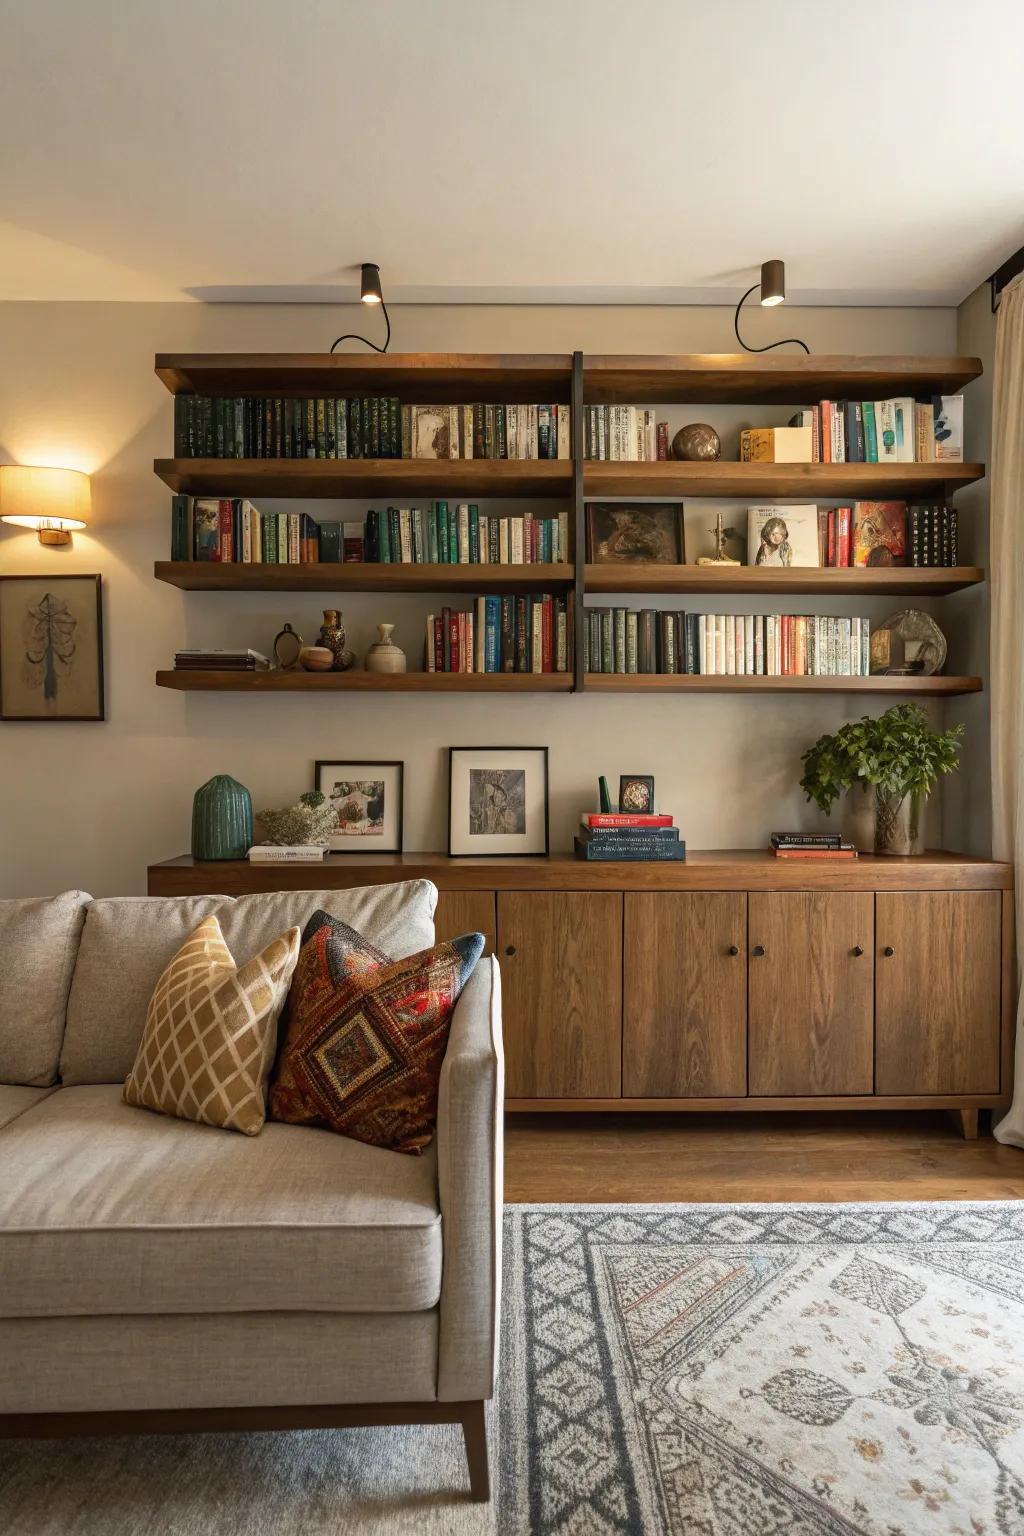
pixel 619 533
pixel 51 648
pixel 367 798
pixel 497 800
pixel 636 794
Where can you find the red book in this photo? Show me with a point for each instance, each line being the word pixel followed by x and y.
pixel 438 646
pixel 815 853
pixel 455 641
pixel 547 635
pixel 662 439
pixel 843 536
pixel 625 819
pixel 227 530
pixel 831 553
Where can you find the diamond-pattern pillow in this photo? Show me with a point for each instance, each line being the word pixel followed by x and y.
pixel 211 1030
pixel 364 1036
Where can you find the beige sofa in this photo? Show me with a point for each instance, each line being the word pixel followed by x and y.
pixel 159 1275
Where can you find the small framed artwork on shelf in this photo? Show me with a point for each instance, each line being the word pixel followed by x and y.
pixel 367 800
pixel 619 533
pixel 497 801
pixel 636 794
pixel 51 648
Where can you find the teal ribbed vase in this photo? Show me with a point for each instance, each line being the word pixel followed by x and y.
pixel 221 819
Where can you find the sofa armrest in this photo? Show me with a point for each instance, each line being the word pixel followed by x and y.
pixel 469 1162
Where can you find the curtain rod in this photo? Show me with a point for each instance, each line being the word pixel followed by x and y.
pixel 1003 276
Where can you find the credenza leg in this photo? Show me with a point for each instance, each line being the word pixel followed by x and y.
pixel 966 1122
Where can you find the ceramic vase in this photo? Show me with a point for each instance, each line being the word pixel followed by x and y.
pixel 385 655
pixel 333 636
pixel 899 823
pixel 221 819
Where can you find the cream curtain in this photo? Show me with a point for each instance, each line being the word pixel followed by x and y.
pixel 1006 670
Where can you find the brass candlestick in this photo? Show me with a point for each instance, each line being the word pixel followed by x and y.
pixel 719 557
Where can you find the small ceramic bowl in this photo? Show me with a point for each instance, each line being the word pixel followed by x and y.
pixel 316 658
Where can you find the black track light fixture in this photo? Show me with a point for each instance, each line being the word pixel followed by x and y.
pixel 370 293
pixel 773 292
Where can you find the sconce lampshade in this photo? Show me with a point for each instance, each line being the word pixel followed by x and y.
pixel 52 501
pixel 773 283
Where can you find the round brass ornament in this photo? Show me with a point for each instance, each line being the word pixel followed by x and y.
pixel 697 442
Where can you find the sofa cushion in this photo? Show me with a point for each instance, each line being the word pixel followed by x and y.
pixel 211 1032
pixel 38 944
pixel 107 1209
pixel 365 1036
pixel 128 941
pixel 15 1100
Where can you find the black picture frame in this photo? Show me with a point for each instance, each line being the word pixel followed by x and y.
pixel 647 780
pixel 360 843
pixel 601 512
pixel 101 687
pixel 512 853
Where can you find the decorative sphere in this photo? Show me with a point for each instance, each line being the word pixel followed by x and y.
pixel 697 441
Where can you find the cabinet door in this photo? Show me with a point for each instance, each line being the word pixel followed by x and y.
pixel 937 991
pixel 684 995
pixel 810 992
pixel 460 912
pixel 561 982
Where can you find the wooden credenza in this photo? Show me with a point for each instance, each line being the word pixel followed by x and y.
pixel 733 981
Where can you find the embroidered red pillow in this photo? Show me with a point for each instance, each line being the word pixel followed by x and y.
pixel 364 1036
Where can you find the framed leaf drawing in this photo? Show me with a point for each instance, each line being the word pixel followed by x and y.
pixel 51 648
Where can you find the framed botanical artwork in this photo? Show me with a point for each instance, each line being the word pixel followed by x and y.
pixel 619 533
pixel 367 798
pixel 51 648
pixel 497 800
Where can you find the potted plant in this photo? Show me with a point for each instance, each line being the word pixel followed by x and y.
pixel 899 756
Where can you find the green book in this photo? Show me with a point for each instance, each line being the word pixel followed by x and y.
pixel 384 536
pixel 474 534
pixel 870 432
pixel 355 429
pixel 443 534
pixel 340 428
pixel 330 543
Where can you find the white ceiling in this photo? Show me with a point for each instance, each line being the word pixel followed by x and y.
pixel 641 150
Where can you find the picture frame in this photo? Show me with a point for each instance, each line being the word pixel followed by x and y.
pixel 636 794
pixel 51 648
pixel 497 801
pixel 632 533
pixel 369 797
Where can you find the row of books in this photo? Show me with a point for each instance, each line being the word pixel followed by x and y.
pixel 901 431
pixel 640 839
pixel 811 845
pixel 367 427
pixel 230 529
pixel 621 640
pixel 501 634
pixel 464 536
pixel 623 432
pixel 874 533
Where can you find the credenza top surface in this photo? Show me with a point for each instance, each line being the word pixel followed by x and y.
pixel 711 869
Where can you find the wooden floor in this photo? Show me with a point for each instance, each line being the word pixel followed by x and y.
pixel 867 1156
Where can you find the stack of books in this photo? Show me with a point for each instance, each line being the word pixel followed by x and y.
pixel 636 839
pixel 203 660
pixel 286 853
pixel 811 845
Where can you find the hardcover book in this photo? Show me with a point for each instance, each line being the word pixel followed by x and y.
pixel 782 536
pixel 879 533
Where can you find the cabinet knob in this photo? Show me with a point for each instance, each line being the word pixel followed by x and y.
pixel 758 949
pixel 856 950
pixel 888 951
pixel 733 949
pixel 510 949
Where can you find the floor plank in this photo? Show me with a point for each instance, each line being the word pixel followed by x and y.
pixel 866 1156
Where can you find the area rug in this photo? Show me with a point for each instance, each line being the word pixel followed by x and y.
pixel 845 1370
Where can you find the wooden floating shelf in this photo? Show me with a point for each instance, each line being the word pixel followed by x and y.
pixel 727 378
pixel 770 482
pixel 611 682
pixel 365 682
pixel 448 478
pixel 420 378
pixel 752 580
pixel 212 576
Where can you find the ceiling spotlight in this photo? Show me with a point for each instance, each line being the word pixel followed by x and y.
pixel 773 292
pixel 369 293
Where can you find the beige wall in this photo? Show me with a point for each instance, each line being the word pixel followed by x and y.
pixel 91 805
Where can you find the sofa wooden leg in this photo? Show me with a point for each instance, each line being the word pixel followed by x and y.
pixel 474 1430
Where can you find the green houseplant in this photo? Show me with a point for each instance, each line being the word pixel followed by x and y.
pixel 899 756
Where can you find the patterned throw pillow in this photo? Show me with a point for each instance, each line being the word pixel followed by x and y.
pixel 208 1044
pixel 365 1036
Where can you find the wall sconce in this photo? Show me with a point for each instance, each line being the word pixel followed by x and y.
pixel 773 292
pixel 370 293
pixel 52 501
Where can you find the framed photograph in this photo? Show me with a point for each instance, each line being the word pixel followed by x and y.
pixel 497 800
pixel 51 648
pixel 367 798
pixel 783 536
pixel 636 794
pixel 619 533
